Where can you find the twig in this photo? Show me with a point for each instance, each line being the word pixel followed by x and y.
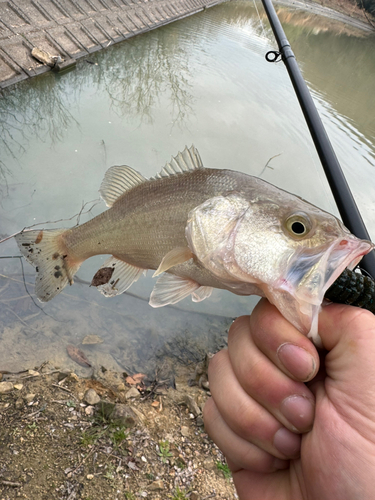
pixel 266 165
pixel 83 461
pixel 63 388
pixel 10 483
pixel 368 19
pixel 95 202
pixel 42 408
pixel 20 319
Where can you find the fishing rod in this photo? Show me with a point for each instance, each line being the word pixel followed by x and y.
pixel 345 202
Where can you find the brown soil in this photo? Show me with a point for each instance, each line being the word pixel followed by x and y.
pixel 56 446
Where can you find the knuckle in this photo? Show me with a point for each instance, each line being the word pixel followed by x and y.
pixel 238 326
pixel 217 362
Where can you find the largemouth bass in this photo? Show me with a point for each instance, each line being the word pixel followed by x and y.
pixel 201 229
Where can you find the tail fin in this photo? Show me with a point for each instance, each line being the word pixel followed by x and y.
pixel 46 251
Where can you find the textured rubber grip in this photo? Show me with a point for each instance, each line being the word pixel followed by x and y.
pixel 354 289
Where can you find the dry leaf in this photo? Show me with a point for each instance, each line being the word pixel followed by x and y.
pixel 135 379
pixel 78 356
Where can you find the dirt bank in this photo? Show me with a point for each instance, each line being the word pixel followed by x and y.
pixel 108 437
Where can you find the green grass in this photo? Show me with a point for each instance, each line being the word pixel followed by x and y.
pixel 118 435
pixel 129 495
pixel 115 433
pixel 164 452
pixel 224 469
pixel 179 495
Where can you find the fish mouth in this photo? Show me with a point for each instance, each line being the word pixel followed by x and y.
pixel 300 292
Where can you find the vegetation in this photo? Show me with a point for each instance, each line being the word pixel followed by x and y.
pixel 224 469
pixel 367 5
pixel 164 452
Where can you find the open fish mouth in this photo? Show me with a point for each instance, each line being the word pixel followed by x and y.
pixel 300 293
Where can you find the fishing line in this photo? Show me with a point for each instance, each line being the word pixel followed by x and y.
pixel 24 281
pixel 260 22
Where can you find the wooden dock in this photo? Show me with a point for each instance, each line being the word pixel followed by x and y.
pixel 66 30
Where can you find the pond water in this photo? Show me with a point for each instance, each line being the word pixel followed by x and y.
pixel 202 80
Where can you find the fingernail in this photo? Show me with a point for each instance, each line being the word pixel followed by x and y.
pixel 297 361
pixel 299 411
pixel 287 443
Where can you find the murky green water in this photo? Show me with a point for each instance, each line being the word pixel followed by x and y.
pixel 202 80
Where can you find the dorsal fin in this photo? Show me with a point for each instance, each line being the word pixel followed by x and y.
pixel 117 181
pixel 186 161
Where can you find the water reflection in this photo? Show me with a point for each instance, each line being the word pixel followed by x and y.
pixel 133 75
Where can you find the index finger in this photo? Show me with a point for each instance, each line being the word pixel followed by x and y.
pixel 291 351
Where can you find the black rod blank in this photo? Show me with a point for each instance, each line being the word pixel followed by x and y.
pixel 345 202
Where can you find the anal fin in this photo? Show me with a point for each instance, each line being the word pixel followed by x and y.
pixel 115 276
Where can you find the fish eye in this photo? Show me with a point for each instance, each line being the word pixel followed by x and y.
pixel 298 225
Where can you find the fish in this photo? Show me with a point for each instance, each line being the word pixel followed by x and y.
pixel 199 229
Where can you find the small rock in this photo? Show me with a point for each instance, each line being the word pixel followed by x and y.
pixel 19 404
pixel 89 410
pixel 192 405
pixel 209 463
pixel 91 397
pixel 123 415
pixel 156 485
pixel 118 413
pixel 139 415
pixel 194 496
pixel 62 376
pixel 199 421
pixel 73 376
pixel 121 387
pixel 18 387
pixel 5 387
pixel 29 397
pixel 185 431
pixel 33 373
pixel 132 393
pixel 90 476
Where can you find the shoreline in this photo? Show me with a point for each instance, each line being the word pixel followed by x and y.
pixel 337 15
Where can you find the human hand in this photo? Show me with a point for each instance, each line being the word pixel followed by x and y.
pixel 289 440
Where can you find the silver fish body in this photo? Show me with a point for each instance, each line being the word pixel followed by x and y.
pixel 202 229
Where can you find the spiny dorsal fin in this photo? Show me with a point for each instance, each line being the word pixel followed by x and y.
pixel 117 181
pixel 186 161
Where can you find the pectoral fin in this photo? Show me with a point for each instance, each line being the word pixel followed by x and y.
pixel 115 276
pixel 178 255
